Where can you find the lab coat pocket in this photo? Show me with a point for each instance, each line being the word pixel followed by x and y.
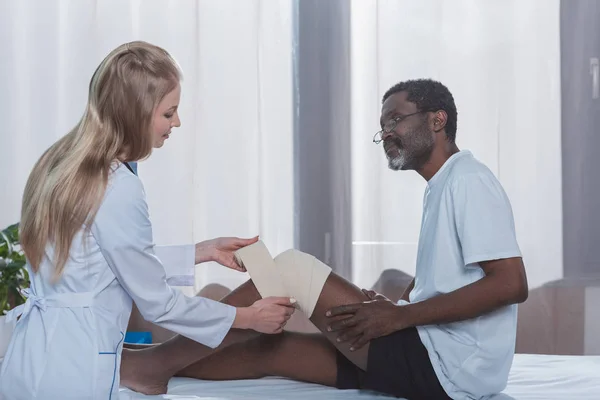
pixel 106 376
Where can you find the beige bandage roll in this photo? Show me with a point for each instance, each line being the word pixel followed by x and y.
pixel 291 274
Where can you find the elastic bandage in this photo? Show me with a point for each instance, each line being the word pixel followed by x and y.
pixel 291 274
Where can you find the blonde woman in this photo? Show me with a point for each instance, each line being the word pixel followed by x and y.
pixel 87 236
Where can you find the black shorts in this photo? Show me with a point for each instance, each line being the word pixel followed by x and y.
pixel 398 365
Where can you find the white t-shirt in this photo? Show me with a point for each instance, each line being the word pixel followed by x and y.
pixel 467 218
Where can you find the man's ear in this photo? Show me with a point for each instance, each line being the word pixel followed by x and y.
pixel 440 118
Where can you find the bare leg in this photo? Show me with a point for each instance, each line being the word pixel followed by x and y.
pixel 336 292
pixel 212 291
pixel 299 356
pixel 304 357
pixel 148 371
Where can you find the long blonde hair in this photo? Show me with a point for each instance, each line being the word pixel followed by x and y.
pixel 68 182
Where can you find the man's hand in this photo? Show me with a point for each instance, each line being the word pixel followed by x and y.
pixel 365 321
pixel 221 250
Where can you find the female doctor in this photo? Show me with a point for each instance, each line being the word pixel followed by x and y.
pixel 86 232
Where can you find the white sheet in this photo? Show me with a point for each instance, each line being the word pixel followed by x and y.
pixel 533 377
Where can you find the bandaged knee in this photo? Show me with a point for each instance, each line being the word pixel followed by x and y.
pixel 291 274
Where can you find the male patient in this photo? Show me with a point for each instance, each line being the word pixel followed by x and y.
pixel 452 335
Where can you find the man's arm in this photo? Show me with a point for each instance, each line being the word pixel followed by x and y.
pixel 406 294
pixel 504 283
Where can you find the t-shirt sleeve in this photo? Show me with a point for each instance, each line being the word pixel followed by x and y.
pixel 484 219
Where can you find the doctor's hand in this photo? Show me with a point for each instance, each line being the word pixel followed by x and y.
pixel 268 315
pixel 221 251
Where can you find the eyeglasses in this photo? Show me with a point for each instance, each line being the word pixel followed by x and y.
pixel 389 126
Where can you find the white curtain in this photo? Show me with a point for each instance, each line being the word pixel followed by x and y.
pixel 501 61
pixel 233 168
pixel 227 170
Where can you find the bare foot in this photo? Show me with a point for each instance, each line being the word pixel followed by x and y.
pixel 139 373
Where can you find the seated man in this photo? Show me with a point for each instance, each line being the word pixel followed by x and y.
pixel 452 333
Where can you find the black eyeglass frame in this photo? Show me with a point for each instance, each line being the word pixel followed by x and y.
pixel 389 126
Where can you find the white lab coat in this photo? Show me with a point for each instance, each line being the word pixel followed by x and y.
pixel 67 343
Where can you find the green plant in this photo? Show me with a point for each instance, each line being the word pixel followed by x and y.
pixel 13 274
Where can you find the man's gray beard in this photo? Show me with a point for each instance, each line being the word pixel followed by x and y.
pixel 416 154
pixel 398 162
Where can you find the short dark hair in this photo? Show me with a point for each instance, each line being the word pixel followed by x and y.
pixel 429 95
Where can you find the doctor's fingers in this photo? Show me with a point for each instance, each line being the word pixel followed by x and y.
pixel 284 313
pixel 282 301
pixel 243 242
pixel 288 312
pixel 237 266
